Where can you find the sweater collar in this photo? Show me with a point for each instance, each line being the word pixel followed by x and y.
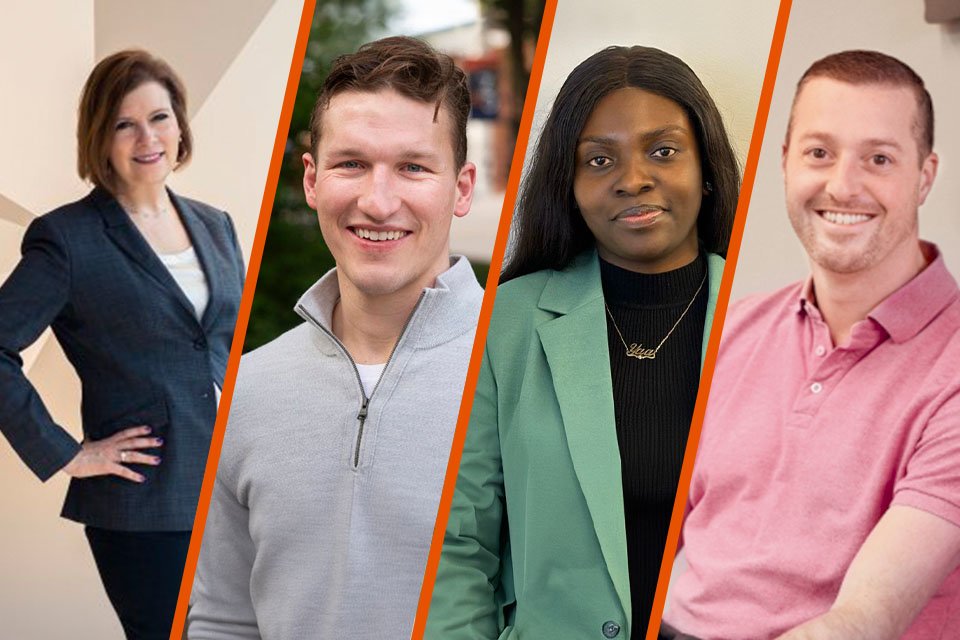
pixel 629 288
pixel 446 311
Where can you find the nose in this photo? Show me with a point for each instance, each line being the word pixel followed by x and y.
pixel 145 132
pixel 844 182
pixel 636 176
pixel 380 198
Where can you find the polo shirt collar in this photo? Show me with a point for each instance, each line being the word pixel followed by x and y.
pixel 905 312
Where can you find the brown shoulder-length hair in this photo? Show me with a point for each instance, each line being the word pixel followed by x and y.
pixel 110 81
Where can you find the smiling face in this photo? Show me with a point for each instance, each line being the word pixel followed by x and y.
pixel 853 174
pixel 386 187
pixel 146 135
pixel 638 181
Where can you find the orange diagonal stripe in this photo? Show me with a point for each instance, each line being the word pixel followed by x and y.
pixel 243 317
pixel 473 372
pixel 743 204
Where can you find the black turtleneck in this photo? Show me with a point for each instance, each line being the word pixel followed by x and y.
pixel 653 401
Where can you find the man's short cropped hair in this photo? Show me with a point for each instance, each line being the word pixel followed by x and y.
pixel 872 67
pixel 410 67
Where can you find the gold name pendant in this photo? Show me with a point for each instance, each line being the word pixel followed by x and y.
pixel 637 351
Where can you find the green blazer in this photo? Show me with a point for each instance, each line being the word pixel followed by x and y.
pixel 535 546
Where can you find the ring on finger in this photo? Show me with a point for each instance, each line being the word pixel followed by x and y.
pixel 123 456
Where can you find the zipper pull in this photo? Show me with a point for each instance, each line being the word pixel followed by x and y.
pixel 363 410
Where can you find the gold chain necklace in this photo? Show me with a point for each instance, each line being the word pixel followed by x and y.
pixel 637 350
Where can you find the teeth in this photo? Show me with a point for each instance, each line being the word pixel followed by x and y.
pixel 845 218
pixel 378 236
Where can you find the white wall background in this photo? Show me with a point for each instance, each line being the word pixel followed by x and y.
pixel 770 255
pixel 234 58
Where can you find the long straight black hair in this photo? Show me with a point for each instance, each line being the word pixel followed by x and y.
pixel 549 229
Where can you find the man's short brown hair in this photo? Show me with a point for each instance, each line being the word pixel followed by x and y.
pixel 860 67
pixel 109 83
pixel 410 67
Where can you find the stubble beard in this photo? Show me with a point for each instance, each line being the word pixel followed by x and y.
pixel 844 256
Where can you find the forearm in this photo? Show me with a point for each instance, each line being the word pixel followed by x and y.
pixel 842 623
pixel 890 580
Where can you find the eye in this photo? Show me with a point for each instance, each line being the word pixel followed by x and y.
pixel 664 152
pixel 599 161
pixel 881 160
pixel 818 153
pixel 414 168
pixel 123 124
pixel 159 117
pixel 349 164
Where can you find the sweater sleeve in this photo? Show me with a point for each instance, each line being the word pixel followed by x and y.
pixel 30 299
pixel 221 604
pixel 472 588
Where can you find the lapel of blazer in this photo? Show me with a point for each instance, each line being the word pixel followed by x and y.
pixel 715 266
pixel 206 254
pixel 123 233
pixel 575 344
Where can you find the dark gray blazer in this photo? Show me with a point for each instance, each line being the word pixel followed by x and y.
pixel 134 339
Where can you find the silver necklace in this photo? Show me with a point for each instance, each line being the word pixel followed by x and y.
pixel 134 211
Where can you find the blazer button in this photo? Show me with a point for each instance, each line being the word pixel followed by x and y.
pixel 200 344
pixel 610 629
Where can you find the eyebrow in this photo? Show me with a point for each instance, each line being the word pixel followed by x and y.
pixel 407 156
pixel 122 116
pixel 419 155
pixel 869 142
pixel 654 133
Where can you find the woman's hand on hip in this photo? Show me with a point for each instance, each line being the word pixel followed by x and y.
pixel 111 455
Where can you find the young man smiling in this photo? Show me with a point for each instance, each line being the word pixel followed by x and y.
pixel 340 429
pixel 825 502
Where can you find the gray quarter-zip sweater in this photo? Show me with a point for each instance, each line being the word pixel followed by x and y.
pixel 325 500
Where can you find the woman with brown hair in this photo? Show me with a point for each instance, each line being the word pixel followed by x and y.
pixel 141 289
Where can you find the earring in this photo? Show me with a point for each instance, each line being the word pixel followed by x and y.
pixel 708 186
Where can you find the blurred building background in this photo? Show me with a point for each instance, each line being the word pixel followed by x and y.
pixel 492 40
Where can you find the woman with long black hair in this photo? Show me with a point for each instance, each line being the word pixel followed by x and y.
pixel 579 425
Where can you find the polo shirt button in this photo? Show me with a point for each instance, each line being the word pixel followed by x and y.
pixel 816 387
pixel 820 350
pixel 610 629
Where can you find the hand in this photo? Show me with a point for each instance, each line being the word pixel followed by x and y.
pixel 110 455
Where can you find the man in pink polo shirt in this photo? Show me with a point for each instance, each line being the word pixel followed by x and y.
pixel 825 501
